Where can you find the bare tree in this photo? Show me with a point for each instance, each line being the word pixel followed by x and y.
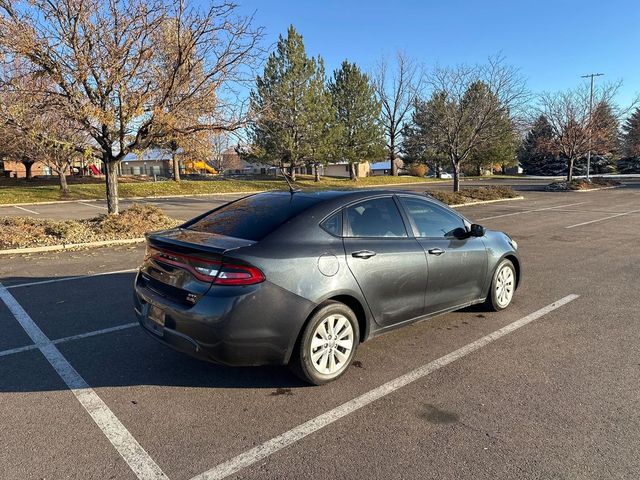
pixel 397 88
pixel 220 143
pixel 125 70
pixel 39 132
pixel 471 106
pixel 58 140
pixel 575 129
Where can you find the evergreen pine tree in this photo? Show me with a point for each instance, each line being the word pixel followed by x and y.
pixel 292 107
pixel 630 163
pixel 535 154
pixel 359 134
pixel 605 140
pixel 421 143
pixel 499 151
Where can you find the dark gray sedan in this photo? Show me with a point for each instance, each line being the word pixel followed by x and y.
pixel 302 278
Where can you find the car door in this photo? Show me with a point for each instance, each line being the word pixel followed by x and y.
pixel 389 265
pixel 457 262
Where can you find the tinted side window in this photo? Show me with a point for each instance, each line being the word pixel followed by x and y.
pixel 432 220
pixel 333 224
pixel 375 218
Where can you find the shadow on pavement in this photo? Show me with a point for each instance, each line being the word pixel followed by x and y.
pixel 126 357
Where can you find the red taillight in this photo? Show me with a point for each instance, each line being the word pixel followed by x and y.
pixel 216 272
pixel 238 275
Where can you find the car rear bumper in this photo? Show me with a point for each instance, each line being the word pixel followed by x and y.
pixel 238 326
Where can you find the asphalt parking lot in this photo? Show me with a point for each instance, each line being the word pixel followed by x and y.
pixel 549 388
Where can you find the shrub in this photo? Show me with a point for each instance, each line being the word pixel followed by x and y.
pixel 132 222
pixel 629 165
pixel 19 232
pixel 418 170
pixel 581 184
pixel 468 195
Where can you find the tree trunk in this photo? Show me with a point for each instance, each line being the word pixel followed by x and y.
pixel 353 175
pixel 392 154
pixel 456 176
pixel 292 173
pixel 570 170
pixel 63 180
pixel 479 170
pixel 176 166
pixel 316 169
pixel 27 169
pixel 112 186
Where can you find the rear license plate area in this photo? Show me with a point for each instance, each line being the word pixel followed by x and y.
pixel 154 319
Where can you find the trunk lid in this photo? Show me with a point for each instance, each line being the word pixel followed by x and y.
pixel 176 260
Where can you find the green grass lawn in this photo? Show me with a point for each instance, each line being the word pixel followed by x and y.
pixel 23 193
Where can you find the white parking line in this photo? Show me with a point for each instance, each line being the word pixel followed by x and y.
pixel 530 211
pixel 66 279
pixel 603 219
pixel 91 205
pixel 93 333
pixel 292 436
pixel 127 446
pixel 26 210
pixel 11 351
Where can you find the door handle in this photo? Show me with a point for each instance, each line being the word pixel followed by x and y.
pixel 436 251
pixel 363 254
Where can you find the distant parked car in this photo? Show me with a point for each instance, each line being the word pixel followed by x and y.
pixel 303 278
pixel 446 175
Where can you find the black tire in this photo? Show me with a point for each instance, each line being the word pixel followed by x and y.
pixel 302 364
pixel 493 302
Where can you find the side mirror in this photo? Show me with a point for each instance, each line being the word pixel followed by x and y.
pixel 476 230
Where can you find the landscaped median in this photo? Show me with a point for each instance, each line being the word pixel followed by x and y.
pixel 132 223
pixel 472 196
pixel 582 184
pixel 30 235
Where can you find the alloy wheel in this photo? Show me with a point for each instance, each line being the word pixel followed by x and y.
pixel 505 283
pixel 331 344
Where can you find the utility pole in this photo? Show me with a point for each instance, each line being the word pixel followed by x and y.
pixel 591 76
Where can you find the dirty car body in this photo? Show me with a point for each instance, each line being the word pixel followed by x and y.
pixel 236 285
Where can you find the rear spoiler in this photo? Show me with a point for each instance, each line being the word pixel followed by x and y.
pixel 183 240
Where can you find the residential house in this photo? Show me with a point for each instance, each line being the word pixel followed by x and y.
pixel 341 169
pixel 154 161
pixel 384 167
pixel 14 169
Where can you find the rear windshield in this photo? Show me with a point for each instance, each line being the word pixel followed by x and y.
pixel 255 217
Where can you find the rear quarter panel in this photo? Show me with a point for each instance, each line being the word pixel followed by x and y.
pixel 303 259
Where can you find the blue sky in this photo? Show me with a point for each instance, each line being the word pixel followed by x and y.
pixel 553 43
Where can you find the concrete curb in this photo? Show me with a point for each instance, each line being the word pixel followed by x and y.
pixel 596 189
pixel 68 246
pixel 481 202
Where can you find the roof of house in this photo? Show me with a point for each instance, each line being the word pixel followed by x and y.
pixel 386 164
pixel 150 155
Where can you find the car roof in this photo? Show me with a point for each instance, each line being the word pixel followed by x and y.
pixel 318 205
pixel 328 200
pixel 322 195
